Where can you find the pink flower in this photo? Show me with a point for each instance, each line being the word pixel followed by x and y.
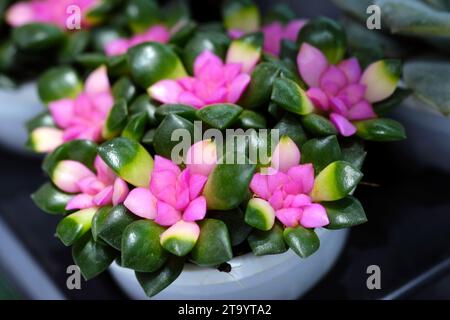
pixel 338 90
pixel 93 189
pixel 213 82
pixel 156 33
pixel 274 33
pixel 287 187
pixel 174 198
pixel 84 116
pixel 47 11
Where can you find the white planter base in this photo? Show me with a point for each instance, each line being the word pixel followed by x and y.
pixel 17 106
pixel 275 277
pixel 428 132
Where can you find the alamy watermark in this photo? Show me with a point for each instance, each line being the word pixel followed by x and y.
pixel 373 22
pixel 73 21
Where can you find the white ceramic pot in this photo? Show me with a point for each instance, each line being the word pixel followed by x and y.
pixel 428 132
pixel 285 276
pixel 17 106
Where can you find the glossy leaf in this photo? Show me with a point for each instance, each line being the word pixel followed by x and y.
pixel 141 14
pixel 91 60
pixel 318 125
pixel 43 119
pixel 135 128
pixel 75 225
pixel 354 153
pixel 289 126
pixel 241 15
pixel 37 36
pixel 220 116
pixel 128 159
pixel 58 83
pixel 260 214
pixel 124 89
pixel 288 94
pixel 251 120
pixel 92 257
pixel 98 220
pixel 234 220
pixel 213 246
pixel 304 242
pixel 380 130
pixel 116 121
pixel 345 213
pixel 141 249
pixel 74 45
pixel 181 110
pixel 335 182
pixel 50 199
pixel 267 242
pixel 321 152
pixel 143 104
pixel 155 282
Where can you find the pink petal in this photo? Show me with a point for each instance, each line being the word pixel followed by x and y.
pixel 303 175
pixel 163 164
pixel 333 76
pixel 361 111
pixel 276 181
pixel 237 87
pixel 103 103
pixel 201 157
pixel 191 99
pixel 104 173
pixel 277 200
pixel 62 112
pixel 345 127
pixel 196 184
pixel 314 216
pixel 196 210
pixel 231 71
pixel 235 33
pixel 286 155
pixel 206 58
pixel 166 91
pixel 259 186
pixel 97 82
pixel 272 37
pixel 351 69
pixel 73 133
pixel 352 94
pixel 81 201
pixel 289 217
pixel 312 63
pixel 120 192
pixel 182 199
pixel 90 185
pixel 319 98
pixel 83 108
pixel 67 173
pixel 19 14
pixel 117 47
pixel 163 185
pixel 187 83
pixel 141 202
pixel 300 201
pixel 338 106
pixel 104 197
pixel 158 33
pixel 166 214
pixel 293 28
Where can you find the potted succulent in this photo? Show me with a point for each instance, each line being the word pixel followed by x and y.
pixel 213 164
pixel 418 33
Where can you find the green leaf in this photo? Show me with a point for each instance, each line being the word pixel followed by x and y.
pixel 354 153
pixel 241 15
pixel 128 159
pixel 429 79
pixel 303 242
pixel 116 121
pixel 175 11
pixel 110 225
pixel 83 151
pixel 289 126
pixel 251 120
pixel 75 225
pixel 213 245
pixel 148 137
pixel 98 220
pixel 164 142
pixel 259 90
pixel 326 35
pixel 267 242
pixel 220 116
pixel 380 130
pixel 182 110
pixel 141 248
pixel 143 104
pixel 356 8
pixel 335 182
pixel 37 36
pixel 91 60
pixel 183 34
pixel 92 257
pixel 141 14
pixel 414 18
pixel 234 220
pixel 260 214
pixel 288 94
pixel 227 185
pixel 135 128
pixel 74 45
pixel 58 83
pixel 288 50
pixel 150 62
pixel 321 152
pixel 124 89
pixel 345 213
pixel 105 34
pixel 51 200
pixel 279 12
pixel 318 125
pixel 155 282
pixel 214 41
pixel 43 119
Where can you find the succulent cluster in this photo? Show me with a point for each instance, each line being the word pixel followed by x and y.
pixel 416 31
pixel 126 193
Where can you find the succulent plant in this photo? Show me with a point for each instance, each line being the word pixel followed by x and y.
pixel 417 31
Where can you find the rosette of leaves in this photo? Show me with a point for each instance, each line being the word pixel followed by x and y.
pixel 418 31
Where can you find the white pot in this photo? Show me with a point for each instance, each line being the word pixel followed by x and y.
pixel 17 106
pixel 428 134
pixel 285 276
